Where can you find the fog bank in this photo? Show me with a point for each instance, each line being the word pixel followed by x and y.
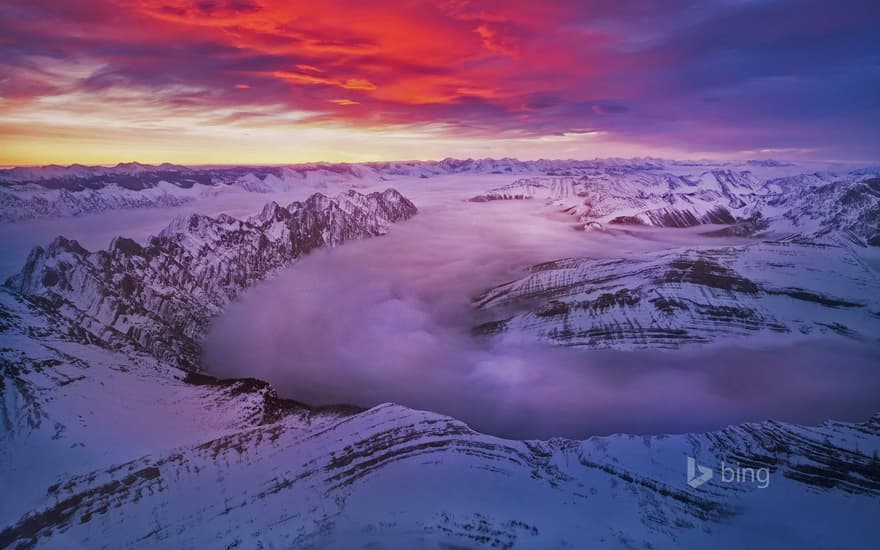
pixel 388 319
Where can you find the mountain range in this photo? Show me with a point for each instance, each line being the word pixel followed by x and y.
pixel 160 297
pixel 816 204
pixel 625 191
pixel 114 436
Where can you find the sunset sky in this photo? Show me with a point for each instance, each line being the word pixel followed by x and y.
pixel 270 81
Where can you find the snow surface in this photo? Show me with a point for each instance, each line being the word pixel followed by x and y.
pixel 108 445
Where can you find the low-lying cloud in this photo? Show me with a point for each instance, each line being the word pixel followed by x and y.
pixel 388 319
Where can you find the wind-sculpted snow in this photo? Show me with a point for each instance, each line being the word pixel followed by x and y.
pixel 672 298
pixel 161 296
pixel 812 204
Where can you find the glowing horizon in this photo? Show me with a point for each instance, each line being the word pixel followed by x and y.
pixel 272 82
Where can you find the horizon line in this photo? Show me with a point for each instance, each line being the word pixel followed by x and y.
pixel 435 160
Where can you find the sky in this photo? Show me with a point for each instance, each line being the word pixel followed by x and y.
pixel 271 81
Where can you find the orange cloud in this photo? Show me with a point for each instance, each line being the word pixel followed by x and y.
pixel 308 68
pixel 473 67
pixel 348 84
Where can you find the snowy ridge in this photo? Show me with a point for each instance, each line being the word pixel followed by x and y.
pixel 282 485
pixel 51 191
pixel 137 175
pixel 812 204
pixel 109 439
pixel 232 465
pixel 807 280
pixel 674 298
pixel 57 191
pixel 161 296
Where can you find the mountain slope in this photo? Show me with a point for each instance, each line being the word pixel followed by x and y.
pixel 55 191
pixel 808 205
pixel 160 297
pixel 662 186
pixel 678 297
pixel 107 439
pixel 230 465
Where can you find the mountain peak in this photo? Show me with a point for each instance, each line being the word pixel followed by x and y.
pixel 198 262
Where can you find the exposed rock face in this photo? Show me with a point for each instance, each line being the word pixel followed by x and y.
pixel 161 296
pixel 688 296
pixel 822 205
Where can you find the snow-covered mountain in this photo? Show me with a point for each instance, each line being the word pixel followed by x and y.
pixel 111 438
pixel 118 449
pixel 55 191
pixel 809 204
pixel 653 190
pixel 694 295
pixel 134 175
pixel 161 296
pixel 804 279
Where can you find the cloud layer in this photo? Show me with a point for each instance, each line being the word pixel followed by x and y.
pixel 388 319
pixel 760 77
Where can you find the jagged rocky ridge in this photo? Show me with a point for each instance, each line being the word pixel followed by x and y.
pixel 57 191
pixel 677 297
pixel 161 296
pixel 811 204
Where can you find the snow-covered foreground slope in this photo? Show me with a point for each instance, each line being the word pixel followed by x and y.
pixel 782 290
pixel 105 449
pixel 69 405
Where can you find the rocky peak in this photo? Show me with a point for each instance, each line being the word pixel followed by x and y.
pixel 160 297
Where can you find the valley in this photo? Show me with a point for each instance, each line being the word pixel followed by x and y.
pixel 271 377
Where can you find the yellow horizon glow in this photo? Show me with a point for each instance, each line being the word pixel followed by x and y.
pixel 131 125
pixel 24 144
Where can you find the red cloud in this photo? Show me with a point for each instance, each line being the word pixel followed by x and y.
pixel 488 67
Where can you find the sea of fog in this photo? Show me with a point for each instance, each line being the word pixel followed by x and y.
pixel 389 320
